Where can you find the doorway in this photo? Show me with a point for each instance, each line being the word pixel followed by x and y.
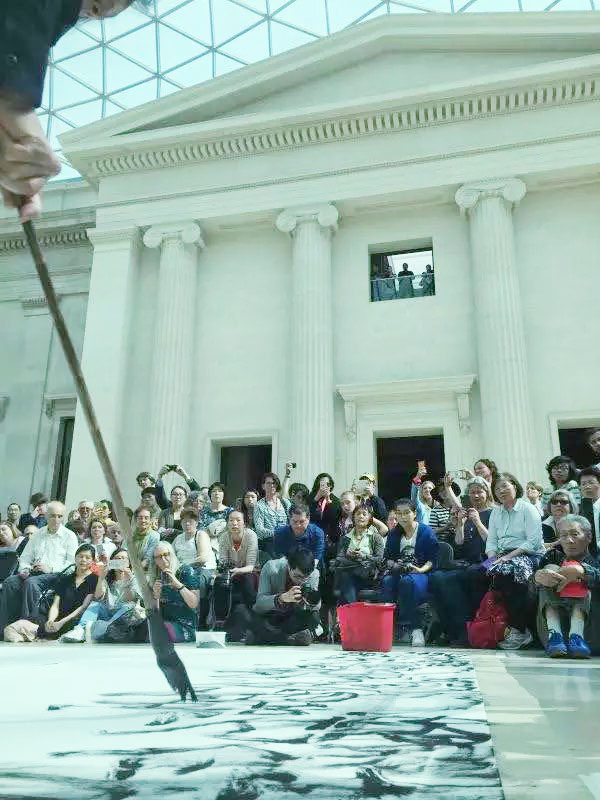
pixel 242 467
pixel 397 463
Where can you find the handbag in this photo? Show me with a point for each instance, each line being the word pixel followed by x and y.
pixel 489 625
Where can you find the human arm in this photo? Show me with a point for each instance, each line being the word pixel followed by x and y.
pixel 268 585
pixel 285 486
pixel 475 518
pixel 379 509
pixel 427 566
pixel 189 594
pixel 318 544
pixel 260 521
pixel 534 540
pixel 53 625
pixel 27 557
pixel 161 497
pixel 191 482
pixel 491 543
pixel 452 498
pixel 459 531
pixel 203 547
pixel 382 528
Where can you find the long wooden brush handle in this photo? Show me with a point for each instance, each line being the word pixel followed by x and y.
pixel 88 409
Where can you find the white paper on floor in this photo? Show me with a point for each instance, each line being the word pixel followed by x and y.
pixel 283 723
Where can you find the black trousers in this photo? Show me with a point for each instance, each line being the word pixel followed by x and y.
pixel 516 599
pixel 19 599
pixel 274 628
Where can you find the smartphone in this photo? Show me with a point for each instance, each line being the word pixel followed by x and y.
pixel 116 564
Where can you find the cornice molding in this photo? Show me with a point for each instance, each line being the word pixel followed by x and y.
pixel 199 143
pixel 26 289
pixel 60 238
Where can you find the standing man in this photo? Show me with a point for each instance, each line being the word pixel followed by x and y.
pixel 46 554
pixel 589 483
pixel 28 29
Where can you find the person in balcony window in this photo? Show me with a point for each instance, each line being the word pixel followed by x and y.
pixel 427 283
pixel 592 439
pixel 405 282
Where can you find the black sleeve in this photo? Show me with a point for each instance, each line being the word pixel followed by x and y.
pixel 379 509
pixel 194 485
pixel 28 29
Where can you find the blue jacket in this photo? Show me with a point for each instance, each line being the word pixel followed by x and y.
pixel 313 539
pixel 426 545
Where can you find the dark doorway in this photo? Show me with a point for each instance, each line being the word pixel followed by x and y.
pixel 63 458
pixel 397 463
pixel 573 444
pixel 242 467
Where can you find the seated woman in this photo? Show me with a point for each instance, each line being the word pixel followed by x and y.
pixel 534 492
pixel 247 504
pixel 455 591
pixel 411 552
pixel 193 546
pixel 566 575
pixel 11 537
pixel 360 555
pixel 118 593
pixel 169 520
pixel 216 509
pixel 177 592
pixel 98 536
pixel 270 512
pixel 563 474
pixel 235 584
pixel 515 546
pixel 145 538
pixel 74 591
pixel 445 497
pixel 560 503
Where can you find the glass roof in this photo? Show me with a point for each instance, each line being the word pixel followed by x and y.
pixel 101 68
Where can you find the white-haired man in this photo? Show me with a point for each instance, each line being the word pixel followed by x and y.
pixel 46 554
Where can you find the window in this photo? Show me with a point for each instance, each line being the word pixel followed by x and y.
pixel 402 274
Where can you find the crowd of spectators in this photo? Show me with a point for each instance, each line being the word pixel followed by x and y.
pixel 273 565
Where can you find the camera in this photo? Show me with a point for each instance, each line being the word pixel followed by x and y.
pixel 309 594
pixel 224 570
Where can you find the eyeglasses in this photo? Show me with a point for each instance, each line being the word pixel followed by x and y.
pixel 559 501
pixel 161 555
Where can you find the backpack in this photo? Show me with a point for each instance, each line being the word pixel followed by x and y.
pixel 491 619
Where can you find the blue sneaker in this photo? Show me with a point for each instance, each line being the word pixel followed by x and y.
pixel 578 647
pixel 555 646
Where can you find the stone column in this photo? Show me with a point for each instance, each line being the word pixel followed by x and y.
pixel 503 377
pixel 311 354
pixel 173 361
pixel 105 359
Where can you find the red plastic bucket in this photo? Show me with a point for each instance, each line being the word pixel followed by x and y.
pixel 367 626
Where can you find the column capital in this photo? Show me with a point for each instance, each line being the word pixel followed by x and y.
pixel 189 232
pixel 511 190
pixel 326 215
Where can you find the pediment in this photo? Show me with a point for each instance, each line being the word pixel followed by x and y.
pixel 396 59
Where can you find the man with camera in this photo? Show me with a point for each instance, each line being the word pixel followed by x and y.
pixel 288 601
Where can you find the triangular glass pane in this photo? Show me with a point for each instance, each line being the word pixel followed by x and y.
pixel 57 127
pixel 67 91
pixel 284 38
pixel 110 109
pixel 414 6
pixel 121 73
pixel 251 46
pixel 164 6
pixel 140 45
pixel 256 5
pixel 197 71
pixel 572 5
pixel 175 49
pixel 83 114
pixel 493 5
pixel 224 65
pixel 344 12
pixel 72 42
pixel 87 67
pixel 230 19
pixel 166 87
pixel 378 12
pixel 126 22
pixel 136 95
pixel 46 92
pixel 306 14
pixel 43 120
pixel 193 20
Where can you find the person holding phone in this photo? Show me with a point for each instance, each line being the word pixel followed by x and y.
pixel 324 505
pixel 421 493
pixel 117 594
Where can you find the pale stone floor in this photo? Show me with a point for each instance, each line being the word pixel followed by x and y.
pixel 544 715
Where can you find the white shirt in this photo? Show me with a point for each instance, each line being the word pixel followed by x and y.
pixel 54 550
pixel 521 527
pixel 596 510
